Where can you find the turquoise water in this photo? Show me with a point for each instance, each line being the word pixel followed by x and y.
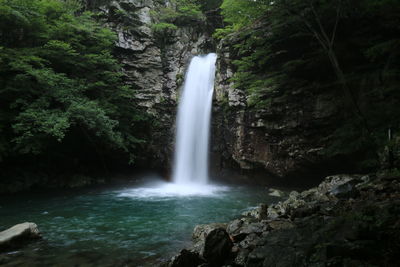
pixel 127 226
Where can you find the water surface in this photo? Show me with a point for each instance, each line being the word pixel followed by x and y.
pixel 135 226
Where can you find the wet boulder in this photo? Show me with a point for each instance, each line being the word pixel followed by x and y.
pixel 202 230
pixel 284 209
pixel 259 213
pixel 346 190
pixel 308 210
pixel 18 235
pixel 240 228
pixel 241 257
pixel 185 258
pixel 276 192
pixel 250 241
pixel 212 242
pixel 280 224
pixel 331 183
pixel 217 247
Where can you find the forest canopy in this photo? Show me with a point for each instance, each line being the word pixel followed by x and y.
pixel 62 93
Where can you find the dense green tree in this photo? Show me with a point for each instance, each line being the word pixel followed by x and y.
pixel 239 14
pixel 179 12
pixel 60 82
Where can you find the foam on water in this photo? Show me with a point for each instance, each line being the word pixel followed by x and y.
pixel 172 190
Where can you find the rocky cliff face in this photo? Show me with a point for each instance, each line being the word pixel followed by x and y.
pixel 154 67
pixel 286 139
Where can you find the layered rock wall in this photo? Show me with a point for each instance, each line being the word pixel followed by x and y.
pixel 154 67
pixel 285 139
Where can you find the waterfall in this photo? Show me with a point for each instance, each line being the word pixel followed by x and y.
pixel 193 122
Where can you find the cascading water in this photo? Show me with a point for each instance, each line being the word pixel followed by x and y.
pixel 193 122
pixel 190 172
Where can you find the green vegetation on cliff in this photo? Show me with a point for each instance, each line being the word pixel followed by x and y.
pixel 62 97
pixel 181 13
pixel 178 12
pixel 350 48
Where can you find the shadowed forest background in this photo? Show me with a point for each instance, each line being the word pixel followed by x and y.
pixel 66 108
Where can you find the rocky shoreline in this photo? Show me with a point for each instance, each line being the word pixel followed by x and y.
pixel 348 220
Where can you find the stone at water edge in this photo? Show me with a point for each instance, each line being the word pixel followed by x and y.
pixel 18 234
pixel 275 193
pixel 239 229
pixel 260 213
pixel 185 258
pixel 212 246
pixel 201 231
pixel 217 247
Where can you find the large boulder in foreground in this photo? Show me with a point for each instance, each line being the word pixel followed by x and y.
pixel 201 231
pixel 212 247
pixel 185 258
pixel 19 234
pixel 217 247
pixel 212 242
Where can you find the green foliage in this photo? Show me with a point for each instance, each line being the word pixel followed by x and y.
pixel 91 4
pixel 59 80
pixel 161 28
pixel 177 13
pixel 240 13
pixel 179 79
pixel 188 11
pixel 223 32
pixel 163 32
pixel 393 173
pixel 209 5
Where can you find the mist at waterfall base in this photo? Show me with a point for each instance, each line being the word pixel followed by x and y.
pixel 142 224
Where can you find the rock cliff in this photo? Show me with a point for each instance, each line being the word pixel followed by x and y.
pixel 287 138
pixel 284 140
pixel 154 66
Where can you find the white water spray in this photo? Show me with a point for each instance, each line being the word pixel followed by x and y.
pixel 193 122
pixel 190 172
